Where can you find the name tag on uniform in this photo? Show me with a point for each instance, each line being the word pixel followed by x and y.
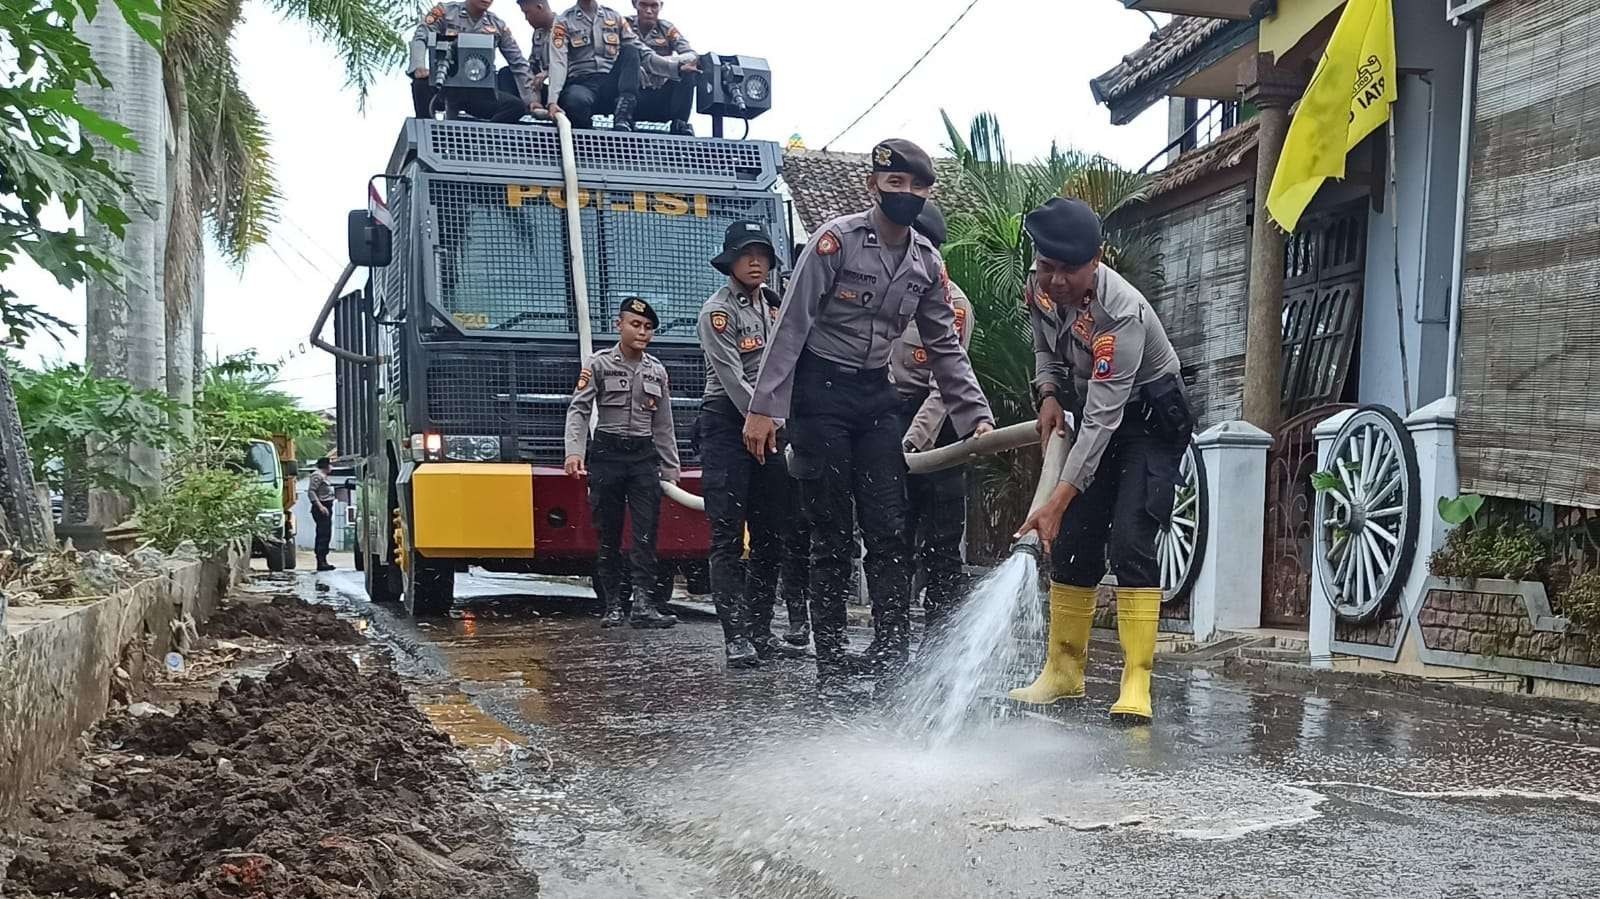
pixel 750 344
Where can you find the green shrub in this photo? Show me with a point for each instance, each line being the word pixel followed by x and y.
pixel 1513 551
pixel 211 507
pixel 1580 602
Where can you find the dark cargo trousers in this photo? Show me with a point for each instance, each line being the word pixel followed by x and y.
pixel 624 475
pixel 845 427
pixel 936 520
pixel 740 492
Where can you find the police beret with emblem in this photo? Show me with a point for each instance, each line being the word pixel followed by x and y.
pixel 640 307
pixel 930 224
pixel 898 155
pixel 1065 230
pixel 742 234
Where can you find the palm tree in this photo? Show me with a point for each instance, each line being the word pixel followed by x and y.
pixel 989 255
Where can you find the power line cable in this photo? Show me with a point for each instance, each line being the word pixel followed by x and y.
pixel 931 47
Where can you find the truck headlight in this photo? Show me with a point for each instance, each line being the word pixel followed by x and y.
pixel 472 449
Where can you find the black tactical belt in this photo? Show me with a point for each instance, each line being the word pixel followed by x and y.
pixel 812 361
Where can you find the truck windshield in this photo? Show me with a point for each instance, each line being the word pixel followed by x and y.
pixel 262 462
pixel 500 256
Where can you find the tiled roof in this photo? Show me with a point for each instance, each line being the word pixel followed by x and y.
pixel 1230 149
pixel 1173 41
pixel 826 185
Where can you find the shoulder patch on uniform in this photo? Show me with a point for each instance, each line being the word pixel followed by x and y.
pixel 827 244
pixel 1105 352
pixel 558 35
pixel 584 377
pixel 719 322
pixel 961 321
pixel 919 356
pixel 434 15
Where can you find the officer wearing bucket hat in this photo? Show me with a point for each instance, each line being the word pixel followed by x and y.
pixel 859 281
pixel 735 324
pixel 1117 486
pixel 633 451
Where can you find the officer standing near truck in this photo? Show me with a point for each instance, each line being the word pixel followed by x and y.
pixel 735 324
pixel 471 17
pixel 1120 476
pixel 859 281
pixel 938 501
pixel 633 451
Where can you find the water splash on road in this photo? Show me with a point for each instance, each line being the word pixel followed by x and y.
pixel 977 655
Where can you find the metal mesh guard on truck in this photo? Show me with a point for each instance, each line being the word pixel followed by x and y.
pixel 607 157
pixel 500 253
pixel 523 394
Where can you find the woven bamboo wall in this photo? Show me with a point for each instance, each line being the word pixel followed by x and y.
pixel 1205 249
pixel 1529 378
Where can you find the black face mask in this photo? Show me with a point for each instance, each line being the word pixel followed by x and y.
pixel 901 206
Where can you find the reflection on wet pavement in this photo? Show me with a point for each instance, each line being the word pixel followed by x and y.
pixel 637 766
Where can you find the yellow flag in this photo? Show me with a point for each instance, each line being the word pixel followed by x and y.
pixel 1349 97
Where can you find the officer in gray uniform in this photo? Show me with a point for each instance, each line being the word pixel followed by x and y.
pixel 633 451
pixel 471 17
pixel 1118 483
pixel 663 99
pixel 938 510
pixel 859 281
pixel 735 324
pixel 595 64
pixel 542 18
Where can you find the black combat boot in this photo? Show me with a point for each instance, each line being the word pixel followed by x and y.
pixel 614 616
pixel 681 127
pixel 741 654
pixel 646 615
pixel 769 647
pixel 622 119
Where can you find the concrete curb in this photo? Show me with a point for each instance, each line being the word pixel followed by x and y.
pixel 55 677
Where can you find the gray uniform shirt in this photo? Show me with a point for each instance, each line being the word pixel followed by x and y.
pixel 322 488
pixel 581 44
pixel 849 302
pixel 909 368
pixel 454 17
pixel 634 400
pixel 665 40
pixel 1112 344
pixel 734 330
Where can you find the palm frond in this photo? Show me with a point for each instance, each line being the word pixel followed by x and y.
pixel 367 34
pixel 232 157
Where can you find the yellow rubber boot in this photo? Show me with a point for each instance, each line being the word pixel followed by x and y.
pixel 1138 613
pixel 1071 615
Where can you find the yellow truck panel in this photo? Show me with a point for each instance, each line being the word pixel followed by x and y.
pixel 468 510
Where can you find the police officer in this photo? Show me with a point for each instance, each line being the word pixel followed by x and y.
pixel 542 18
pixel 938 501
pixel 858 282
pixel 471 17
pixel 735 324
pixel 633 451
pixel 1120 476
pixel 662 99
pixel 595 63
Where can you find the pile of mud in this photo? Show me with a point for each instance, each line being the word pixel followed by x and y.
pixel 285 619
pixel 320 781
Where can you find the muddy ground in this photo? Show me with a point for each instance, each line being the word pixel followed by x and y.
pixel 320 779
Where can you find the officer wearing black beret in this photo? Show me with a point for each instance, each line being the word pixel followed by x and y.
pixel 1117 486
pixel 857 284
pixel 735 324
pixel 633 451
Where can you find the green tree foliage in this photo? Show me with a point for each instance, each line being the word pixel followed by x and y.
pixel 989 254
pixel 240 403
pixel 43 157
pixel 68 415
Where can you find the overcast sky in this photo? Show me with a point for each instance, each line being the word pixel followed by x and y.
pixel 1027 61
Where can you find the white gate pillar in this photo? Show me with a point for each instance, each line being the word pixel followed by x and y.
pixel 1321 610
pixel 1227 592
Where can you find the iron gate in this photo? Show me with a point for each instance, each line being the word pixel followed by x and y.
pixel 1286 558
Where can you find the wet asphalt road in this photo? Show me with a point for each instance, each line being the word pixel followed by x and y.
pixel 672 777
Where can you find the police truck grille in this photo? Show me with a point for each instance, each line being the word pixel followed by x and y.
pixel 484 147
pixel 499 262
pixel 522 395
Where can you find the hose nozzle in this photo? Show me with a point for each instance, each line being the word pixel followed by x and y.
pixel 1029 544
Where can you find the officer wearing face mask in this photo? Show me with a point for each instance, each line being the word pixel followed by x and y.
pixel 859 282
